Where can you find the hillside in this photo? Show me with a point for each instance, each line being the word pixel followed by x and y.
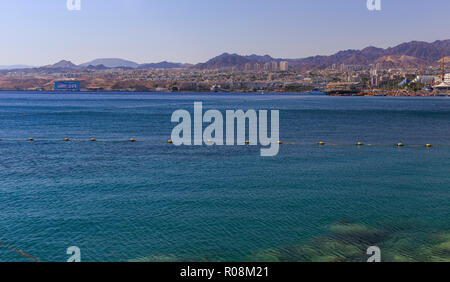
pixel 406 55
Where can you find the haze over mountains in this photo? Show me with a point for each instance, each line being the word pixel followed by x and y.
pixel 415 54
pixel 111 63
pixel 12 67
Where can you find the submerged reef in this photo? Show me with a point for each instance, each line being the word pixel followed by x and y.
pixel 341 242
pixel 348 242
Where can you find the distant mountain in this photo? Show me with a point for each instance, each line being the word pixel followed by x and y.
pixel 261 59
pixel 225 61
pixel 111 63
pixel 431 52
pixel 15 67
pixel 62 65
pixel 97 67
pixel 413 54
pixel 162 65
pixel 401 60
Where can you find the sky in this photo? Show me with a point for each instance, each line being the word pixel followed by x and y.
pixel 41 32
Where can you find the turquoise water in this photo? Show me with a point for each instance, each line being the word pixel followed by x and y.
pixel 152 201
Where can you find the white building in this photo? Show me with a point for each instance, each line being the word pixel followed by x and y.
pixel 425 79
pixel 274 66
pixel 284 66
pixel 438 78
pixel 445 85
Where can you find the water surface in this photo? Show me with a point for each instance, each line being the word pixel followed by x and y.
pixel 152 201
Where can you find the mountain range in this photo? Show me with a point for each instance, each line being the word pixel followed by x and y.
pixel 110 63
pixel 414 54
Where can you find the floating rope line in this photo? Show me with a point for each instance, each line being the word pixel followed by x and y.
pixel 360 144
pixel 67 140
pixel 133 140
pixel 19 252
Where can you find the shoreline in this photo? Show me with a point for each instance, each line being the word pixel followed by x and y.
pixel 356 94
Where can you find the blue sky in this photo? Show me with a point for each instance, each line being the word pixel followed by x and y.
pixel 39 32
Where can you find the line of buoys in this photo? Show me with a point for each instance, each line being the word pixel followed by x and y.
pixel 247 142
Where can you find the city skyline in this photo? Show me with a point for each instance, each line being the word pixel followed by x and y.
pixel 42 32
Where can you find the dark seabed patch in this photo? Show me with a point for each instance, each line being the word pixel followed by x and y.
pixel 348 242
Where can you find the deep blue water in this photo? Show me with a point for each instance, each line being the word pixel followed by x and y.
pixel 152 201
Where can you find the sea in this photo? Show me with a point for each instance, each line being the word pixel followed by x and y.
pixel 149 200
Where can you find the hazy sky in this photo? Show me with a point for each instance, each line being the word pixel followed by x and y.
pixel 39 32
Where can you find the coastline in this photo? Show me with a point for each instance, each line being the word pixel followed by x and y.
pixel 338 94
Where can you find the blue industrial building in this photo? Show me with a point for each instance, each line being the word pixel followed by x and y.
pixel 67 86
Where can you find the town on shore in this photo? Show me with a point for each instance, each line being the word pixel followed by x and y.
pixel 410 69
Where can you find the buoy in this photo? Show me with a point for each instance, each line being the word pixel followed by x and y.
pixel 93 140
pixel 66 139
pixel 132 140
pixel 429 145
pixel 321 143
pixel 170 141
pixel 400 144
pixel 360 143
pixel 30 139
